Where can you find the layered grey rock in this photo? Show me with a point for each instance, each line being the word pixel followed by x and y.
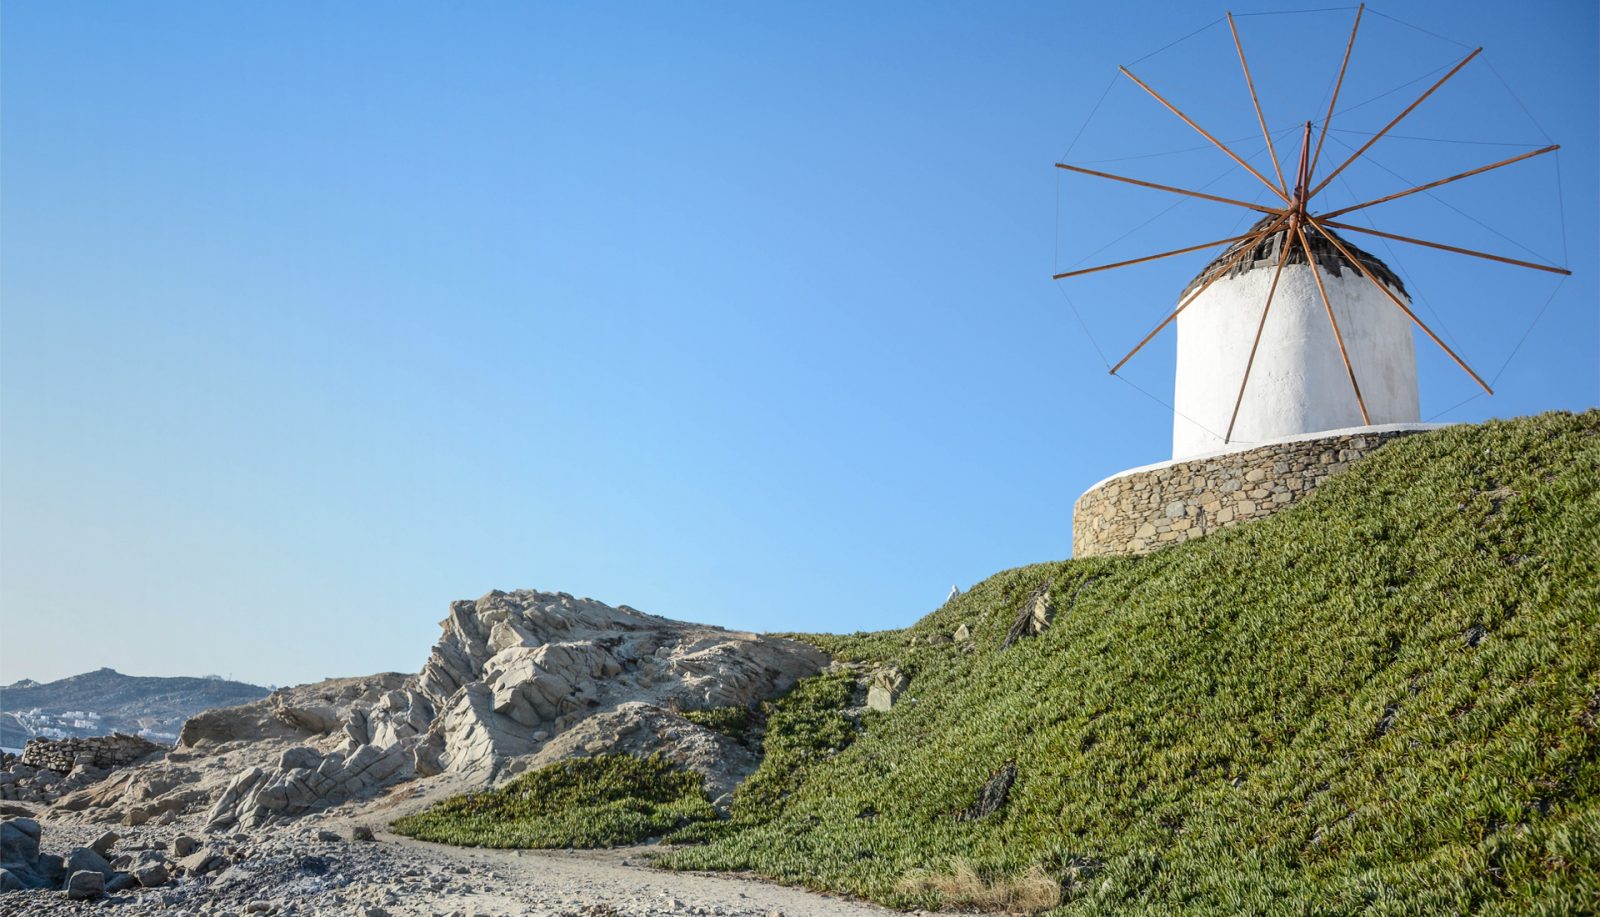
pixel 512 669
pixel 516 680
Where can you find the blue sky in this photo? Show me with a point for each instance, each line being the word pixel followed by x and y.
pixel 315 317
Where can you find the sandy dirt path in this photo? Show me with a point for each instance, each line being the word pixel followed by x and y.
pixel 577 882
pixel 318 869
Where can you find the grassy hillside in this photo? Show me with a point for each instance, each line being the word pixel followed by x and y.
pixel 1386 699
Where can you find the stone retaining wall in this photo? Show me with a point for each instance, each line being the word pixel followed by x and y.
pixel 1142 510
pixel 104 752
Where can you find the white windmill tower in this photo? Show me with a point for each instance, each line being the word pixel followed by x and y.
pixel 1292 329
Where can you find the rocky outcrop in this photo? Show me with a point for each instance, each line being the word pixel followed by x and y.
pixel 306 780
pixel 290 713
pixel 514 669
pixel 517 680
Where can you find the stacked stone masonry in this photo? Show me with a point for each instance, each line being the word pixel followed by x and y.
pixel 104 752
pixel 1141 511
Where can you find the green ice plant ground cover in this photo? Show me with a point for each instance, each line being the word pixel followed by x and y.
pixel 1383 700
pixel 604 801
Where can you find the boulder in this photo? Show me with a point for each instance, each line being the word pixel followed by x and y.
pixel 183 845
pixel 82 859
pixel 299 758
pixel 103 844
pixel 19 841
pixel 887 683
pixel 152 871
pixel 315 718
pixel 51 869
pixel 85 884
pixel 203 862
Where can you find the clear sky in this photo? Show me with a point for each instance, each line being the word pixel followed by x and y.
pixel 319 316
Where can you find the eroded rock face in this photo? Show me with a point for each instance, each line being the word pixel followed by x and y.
pixel 511 677
pixel 290 713
pixel 513 669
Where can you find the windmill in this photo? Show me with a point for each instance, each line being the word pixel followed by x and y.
pixel 1312 372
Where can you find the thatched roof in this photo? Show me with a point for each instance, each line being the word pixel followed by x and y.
pixel 1264 256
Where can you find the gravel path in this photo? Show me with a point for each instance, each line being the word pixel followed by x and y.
pixel 290 871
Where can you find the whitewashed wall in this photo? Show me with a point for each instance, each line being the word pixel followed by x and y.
pixel 1298 383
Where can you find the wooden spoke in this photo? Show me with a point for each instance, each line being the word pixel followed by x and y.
pixel 1215 142
pixel 1443 181
pixel 1176 251
pixel 1276 273
pixel 1324 221
pixel 1397 119
pixel 1256 101
pixel 1255 239
pixel 1150 184
pixel 1316 275
pixel 1396 300
pixel 1336 87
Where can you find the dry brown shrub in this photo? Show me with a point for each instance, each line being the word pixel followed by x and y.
pixel 1029 893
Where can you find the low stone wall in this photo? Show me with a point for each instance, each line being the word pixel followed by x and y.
pixel 104 752
pixel 1141 510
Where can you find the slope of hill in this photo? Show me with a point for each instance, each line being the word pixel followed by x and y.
pixel 1386 699
pixel 105 701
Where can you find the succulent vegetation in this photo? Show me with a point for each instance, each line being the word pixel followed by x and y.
pixel 1386 699
pixel 604 801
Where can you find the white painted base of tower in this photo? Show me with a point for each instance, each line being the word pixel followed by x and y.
pixel 1298 383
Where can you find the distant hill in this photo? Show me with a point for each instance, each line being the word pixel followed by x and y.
pixel 106 701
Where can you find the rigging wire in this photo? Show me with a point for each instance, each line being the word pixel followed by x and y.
pixel 1462 403
pixel 1346 130
pixel 1561 205
pixel 1215 22
pixel 1320 9
pixel 1399 268
pixel 1350 108
pixel 1377 12
pixel 1158 214
pixel 1082 324
pixel 1522 340
pixel 1138 388
pixel 1368 157
pixel 1187 149
pixel 1517 99
pixel 1079 135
